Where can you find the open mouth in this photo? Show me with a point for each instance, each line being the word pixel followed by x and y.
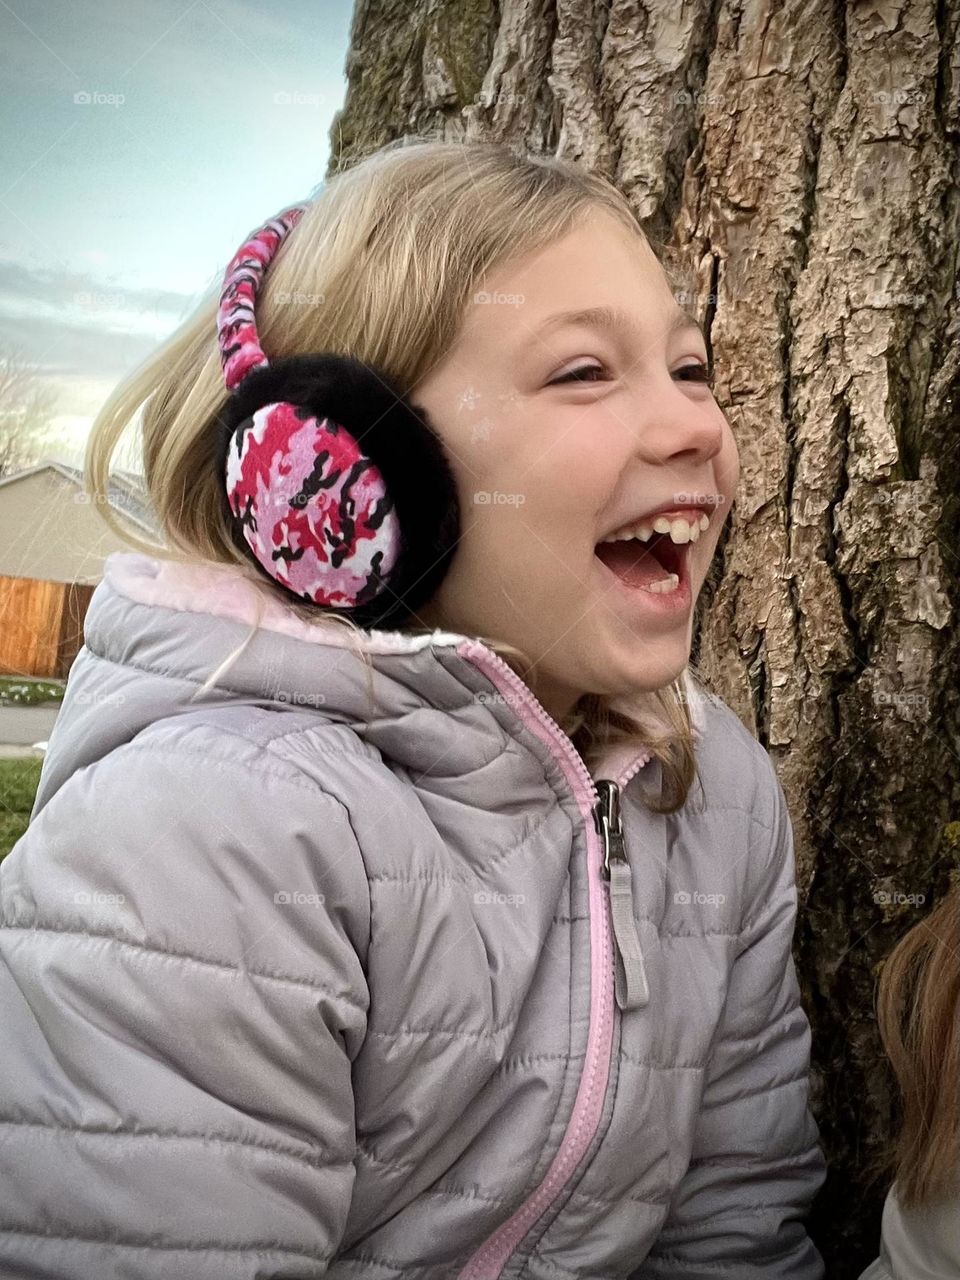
pixel 645 564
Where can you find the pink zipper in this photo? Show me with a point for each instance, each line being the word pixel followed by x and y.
pixel 488 1261
pixel 187 588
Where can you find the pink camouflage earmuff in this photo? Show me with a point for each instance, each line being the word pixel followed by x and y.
pixel 337 486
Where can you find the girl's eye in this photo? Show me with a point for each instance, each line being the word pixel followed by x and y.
pixel 575 374
pixel 699 372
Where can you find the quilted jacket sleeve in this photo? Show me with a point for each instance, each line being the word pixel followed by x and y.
pixel 756 1163
pixel 181 998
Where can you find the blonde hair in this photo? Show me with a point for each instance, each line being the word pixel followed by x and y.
pixel 918 1011
pixel 393 248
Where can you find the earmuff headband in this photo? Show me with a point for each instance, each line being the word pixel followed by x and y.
pixel 336 485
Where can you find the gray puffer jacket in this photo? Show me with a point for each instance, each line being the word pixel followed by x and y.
pixel 291 987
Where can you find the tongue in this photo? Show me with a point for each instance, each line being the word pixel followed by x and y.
pixel 632 561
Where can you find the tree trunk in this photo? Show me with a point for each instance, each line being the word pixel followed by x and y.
pixel 799 165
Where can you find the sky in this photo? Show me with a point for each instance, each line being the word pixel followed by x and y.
pixel 139 143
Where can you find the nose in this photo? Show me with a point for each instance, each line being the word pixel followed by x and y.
pixel 678 426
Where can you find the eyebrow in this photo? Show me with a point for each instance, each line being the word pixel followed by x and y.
pixel 610 318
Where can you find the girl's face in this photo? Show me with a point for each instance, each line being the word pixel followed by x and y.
pixel 546 469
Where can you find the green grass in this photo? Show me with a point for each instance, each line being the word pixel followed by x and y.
pixel 18 786
pixel 19 691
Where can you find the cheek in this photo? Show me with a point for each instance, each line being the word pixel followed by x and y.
pixel 568 474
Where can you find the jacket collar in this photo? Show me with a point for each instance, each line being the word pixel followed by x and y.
pixel 420 683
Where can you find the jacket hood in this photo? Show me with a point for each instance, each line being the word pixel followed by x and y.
pixel 435 708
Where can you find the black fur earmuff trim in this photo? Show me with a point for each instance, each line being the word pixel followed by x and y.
pixel 393 433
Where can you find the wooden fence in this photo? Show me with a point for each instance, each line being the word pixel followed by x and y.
pixel 41 626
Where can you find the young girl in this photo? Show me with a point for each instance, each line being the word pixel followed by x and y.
pixel 918 1008
pixel 395 903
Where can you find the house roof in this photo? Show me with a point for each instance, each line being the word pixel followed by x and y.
pixel 125 490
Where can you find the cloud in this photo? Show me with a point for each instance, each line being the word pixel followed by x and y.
pixel 57 347
pixel 60 287
pixel 71 322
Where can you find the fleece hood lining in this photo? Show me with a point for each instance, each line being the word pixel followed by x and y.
pixel 224 591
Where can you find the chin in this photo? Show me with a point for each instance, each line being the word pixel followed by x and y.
pixel 651 666
pixel 622 685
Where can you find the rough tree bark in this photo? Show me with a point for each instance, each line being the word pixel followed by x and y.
pixel 799 162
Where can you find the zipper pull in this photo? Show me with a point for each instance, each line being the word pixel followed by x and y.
pixel 630 981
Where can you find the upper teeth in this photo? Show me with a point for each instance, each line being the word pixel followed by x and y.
pixel 680 529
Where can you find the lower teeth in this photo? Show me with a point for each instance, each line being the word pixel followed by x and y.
pixel 666 586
